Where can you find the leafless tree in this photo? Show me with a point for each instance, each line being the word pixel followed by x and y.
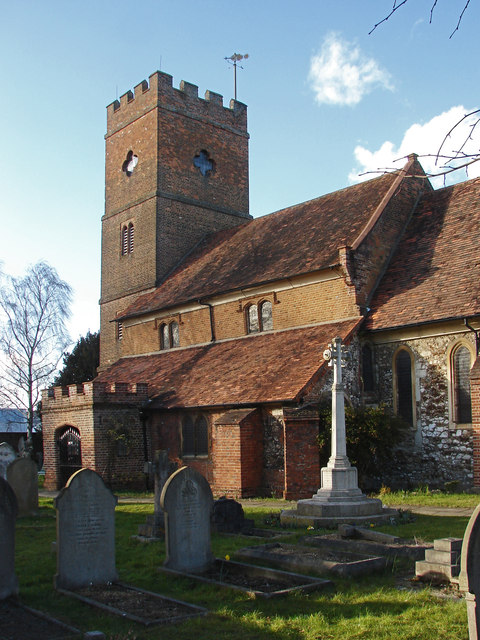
pixel 33 336
pixel 457 158
pixel 397 4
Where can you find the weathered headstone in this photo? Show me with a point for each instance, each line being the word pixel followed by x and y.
pixel 7 455
pixel 22 476
pixel 85 532
pixel 187 502
pixel 228 517
pixel 469 579
pixel 8 513
pixel 161 468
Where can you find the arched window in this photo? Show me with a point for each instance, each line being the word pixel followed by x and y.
pixel 128 233
pixel 194 436
pixel 124 240
pixel 367 368
pixel 460 370
pixel 131 233
pixel 403 385
pixel 169 335
pixel 259 317
pixel 266 316
pixel 174 334
pixel 164 337
pixel 252 318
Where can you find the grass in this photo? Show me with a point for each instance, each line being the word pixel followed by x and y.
pixel 367 608
pixel 423 496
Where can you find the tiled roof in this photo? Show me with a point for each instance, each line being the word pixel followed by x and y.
pixel 290 242
pixel 266 367
pixel 435 272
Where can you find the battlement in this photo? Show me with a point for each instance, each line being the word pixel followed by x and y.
pixel 159 92
pixel 91 392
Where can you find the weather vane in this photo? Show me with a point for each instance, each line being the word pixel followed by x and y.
pixel 233 60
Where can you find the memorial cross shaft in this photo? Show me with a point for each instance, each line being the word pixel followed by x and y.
pixel 338 458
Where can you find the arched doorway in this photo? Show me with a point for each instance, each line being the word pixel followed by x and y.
pixel 70 453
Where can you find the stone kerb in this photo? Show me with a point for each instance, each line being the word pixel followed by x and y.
pixel 8 513
pixel 85 532
pixel 7 456
pixel 469 579
pixel 187 502
pixel 22 476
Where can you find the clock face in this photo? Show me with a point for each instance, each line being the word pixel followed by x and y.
pixel 203 162
pixel 130 163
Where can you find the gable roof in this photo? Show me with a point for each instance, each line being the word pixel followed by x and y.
pixel 262 368
pixel 435 272
pixel 291 242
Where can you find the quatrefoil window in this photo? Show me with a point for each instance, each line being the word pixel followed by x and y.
pixel 203 162
pixel 130 163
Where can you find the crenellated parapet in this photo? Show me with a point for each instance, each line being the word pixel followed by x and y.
pixel 94 392
pixel 159 92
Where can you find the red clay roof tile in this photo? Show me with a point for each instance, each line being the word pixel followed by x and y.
pixel 435 271
pixel 290 242
pixel 266 367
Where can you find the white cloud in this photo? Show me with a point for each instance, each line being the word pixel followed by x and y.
pixel 341 74
pixel 425 140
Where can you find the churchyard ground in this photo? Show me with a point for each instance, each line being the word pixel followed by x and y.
pixel 373 607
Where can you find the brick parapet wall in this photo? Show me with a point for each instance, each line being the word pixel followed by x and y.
pixel 159 91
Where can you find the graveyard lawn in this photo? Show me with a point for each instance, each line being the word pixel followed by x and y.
pixel 386 606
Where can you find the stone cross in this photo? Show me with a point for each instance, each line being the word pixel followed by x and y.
pixel 336 357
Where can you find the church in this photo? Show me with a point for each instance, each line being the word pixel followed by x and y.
pixel 214 324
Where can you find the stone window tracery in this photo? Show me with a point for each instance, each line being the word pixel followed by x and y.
pixel 169 335
pixel 403 380
pixel 460 374
pixel 194 436
pixel 259 317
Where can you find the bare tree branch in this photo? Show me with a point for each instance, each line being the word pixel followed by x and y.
pixel 397 5
pixel 459 19
pixel 33 337
pixel 394 9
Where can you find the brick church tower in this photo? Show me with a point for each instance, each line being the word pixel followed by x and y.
pixel 176 169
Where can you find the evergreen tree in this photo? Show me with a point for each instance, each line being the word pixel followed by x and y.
pixel 81 364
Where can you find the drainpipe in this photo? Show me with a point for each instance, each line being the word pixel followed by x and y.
pixel 476 332
pixel 212 323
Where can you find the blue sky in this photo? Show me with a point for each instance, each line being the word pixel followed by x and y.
pixel 326 101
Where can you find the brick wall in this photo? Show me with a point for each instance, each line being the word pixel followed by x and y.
pixel 171 204
pixel 475 390
pixel 302 466
pixel 95 410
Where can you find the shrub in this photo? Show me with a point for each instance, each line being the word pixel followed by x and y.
pixel 371 434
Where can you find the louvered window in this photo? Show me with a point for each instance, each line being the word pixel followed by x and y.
pixel 404 391
pixel 119 331
pixel 124 240
pixel 461 385
pixel 130 237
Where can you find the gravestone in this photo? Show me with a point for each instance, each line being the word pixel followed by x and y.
pixel 85 532
pixel 8 513
pixel 469 579
pixel 187 502
pixel 228 517
pixel 161 468
pixel 22 476
pixel 7 455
